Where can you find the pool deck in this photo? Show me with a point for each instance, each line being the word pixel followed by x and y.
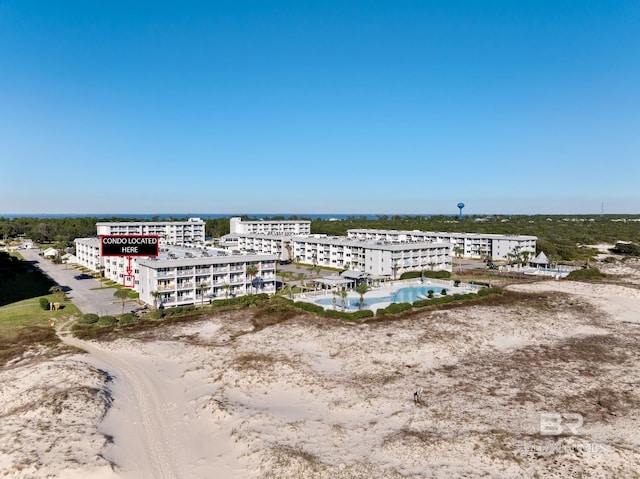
pixel 386 289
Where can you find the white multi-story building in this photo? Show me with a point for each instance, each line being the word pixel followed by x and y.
pixel 282 246
pixel 376 258
pixel 467 245
pixel 187 232
pixel 184 281
pixel 270 227
pixel 88 253
pixel 182 274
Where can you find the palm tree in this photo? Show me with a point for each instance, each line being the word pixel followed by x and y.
pixel 335 294
pixel 226 288
pixel 287 246
pixel 394 268
pixel 457 251
pixel 362 289
pixel 251 271
pixel 343 295
pixel 202 287
pixel 122 294
pixel 57 290
pixel 155 295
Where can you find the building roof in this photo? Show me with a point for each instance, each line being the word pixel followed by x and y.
pixel 352 274
pixel 204 261
pixel 333 280
pixel 540 259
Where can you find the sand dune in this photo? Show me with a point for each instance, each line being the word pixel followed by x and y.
pixel 318 398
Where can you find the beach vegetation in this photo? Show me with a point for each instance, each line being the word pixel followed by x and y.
pixel 585 273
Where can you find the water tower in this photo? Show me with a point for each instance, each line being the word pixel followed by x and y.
pixel 460 206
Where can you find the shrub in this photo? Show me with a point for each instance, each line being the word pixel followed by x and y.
pixel 128 318
pixel 362 314
pixel 157 314
pixel 426 274
pixel 456 283
pixel 44 303
pixel 430 294
pixel 89 318
pixel 488 291
pixel 443 292
pixel 627 248
pixel 107 321
pixel 310 307
pixel 586 273
pixel 609 259
pixel 394 308
pixel 437 274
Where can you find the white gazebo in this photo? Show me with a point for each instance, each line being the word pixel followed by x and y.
pixel 540 261
pixel 333 282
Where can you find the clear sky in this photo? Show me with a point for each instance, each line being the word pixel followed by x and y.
pixel 519 106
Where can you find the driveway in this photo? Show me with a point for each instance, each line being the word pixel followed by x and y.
pixel 82 291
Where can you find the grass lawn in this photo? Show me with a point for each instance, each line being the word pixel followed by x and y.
pixel 23 323
pixel 29 313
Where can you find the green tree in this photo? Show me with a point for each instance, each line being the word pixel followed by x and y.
pixel 457 251
pixel 394 268
pixel 122 294
pixel 343 295
pixel 202 287
pixel 251 272
pixel 155 295
pixel 362 289
pixel 57 290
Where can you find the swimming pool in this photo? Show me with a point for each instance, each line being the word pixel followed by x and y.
pixel 403 295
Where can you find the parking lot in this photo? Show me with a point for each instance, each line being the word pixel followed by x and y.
pixel 86 293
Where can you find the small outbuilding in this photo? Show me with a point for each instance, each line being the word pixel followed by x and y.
pixel 50 253
pixel 540 261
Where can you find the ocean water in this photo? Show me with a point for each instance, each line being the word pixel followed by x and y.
pixel 205 216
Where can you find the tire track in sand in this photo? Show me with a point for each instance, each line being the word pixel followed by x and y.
pixel 150 417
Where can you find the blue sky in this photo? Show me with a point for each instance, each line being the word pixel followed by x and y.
pixel 319 106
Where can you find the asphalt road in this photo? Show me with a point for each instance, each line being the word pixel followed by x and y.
pixel 82 292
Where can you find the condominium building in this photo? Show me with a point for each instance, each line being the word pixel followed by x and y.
pixel 282 246
pixel 184 281
pixel 88 253
pixel 187 232
pixel 467 245
pixel 376 258
pixel 270 227
pixel 184 272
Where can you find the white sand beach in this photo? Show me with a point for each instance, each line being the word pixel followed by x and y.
pixel 232 397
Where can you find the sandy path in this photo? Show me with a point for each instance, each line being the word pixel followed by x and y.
pixel 144 451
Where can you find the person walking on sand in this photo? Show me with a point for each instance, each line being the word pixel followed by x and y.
pixel 416 396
